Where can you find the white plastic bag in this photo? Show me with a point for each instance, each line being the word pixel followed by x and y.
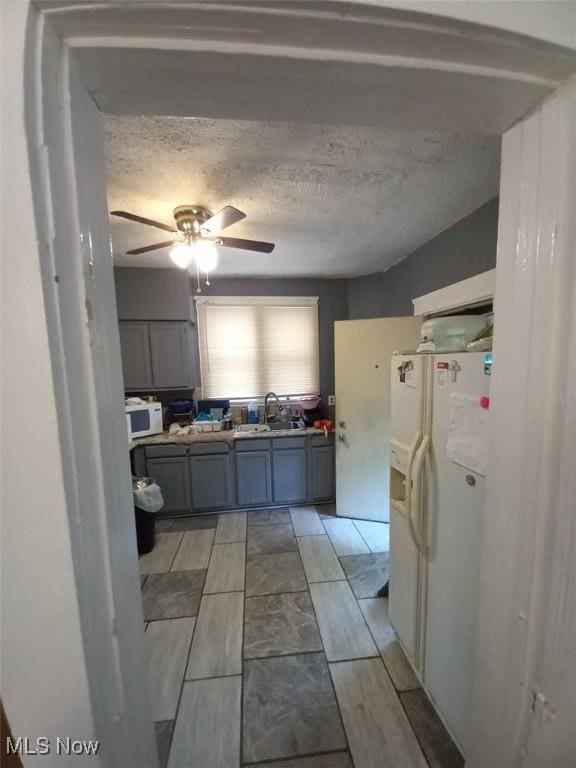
pixel 149 498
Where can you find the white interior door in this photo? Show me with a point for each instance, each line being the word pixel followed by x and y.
pixel 363 352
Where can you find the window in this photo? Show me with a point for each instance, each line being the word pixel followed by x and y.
pixel 253 345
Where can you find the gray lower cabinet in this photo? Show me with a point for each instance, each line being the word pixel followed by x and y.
pixel 253 478
pixel 254 473
pixel 210 481
pixel 323 477
pixel 171 474
pixel 289 476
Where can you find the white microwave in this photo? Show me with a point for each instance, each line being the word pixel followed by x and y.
pixel 144 419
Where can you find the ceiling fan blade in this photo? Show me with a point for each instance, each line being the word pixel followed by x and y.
pixel 225 217
pixel 147 248
pixel 143 220
pixel 246 245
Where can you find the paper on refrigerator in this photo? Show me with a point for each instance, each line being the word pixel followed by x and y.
pixel 468 433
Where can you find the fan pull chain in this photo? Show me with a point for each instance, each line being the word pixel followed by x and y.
pixel 198 289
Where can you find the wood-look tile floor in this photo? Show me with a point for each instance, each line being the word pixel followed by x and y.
pixel 265 640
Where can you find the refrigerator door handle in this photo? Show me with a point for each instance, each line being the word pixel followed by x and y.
pixel 415 496
pixel 411 453
pixel 428 521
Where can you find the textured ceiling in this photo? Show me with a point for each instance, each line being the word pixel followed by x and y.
pixel 338 202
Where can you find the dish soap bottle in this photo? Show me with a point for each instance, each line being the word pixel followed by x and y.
pixel 253 412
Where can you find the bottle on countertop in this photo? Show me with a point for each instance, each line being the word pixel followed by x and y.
pixel 236 415
pixel 253 412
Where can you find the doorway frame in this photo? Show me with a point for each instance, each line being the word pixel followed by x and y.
pixel 52 71
pixel 475 290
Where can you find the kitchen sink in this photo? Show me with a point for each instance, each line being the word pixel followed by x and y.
pixel 253 428
pixel 272 426
pixel 285 426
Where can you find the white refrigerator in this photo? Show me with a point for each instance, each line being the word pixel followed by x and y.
pixel 438 448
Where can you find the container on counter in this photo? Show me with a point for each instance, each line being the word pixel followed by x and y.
pixel 235 415
pixel 253 412
pixel 311 409
pixel 180 412
pixel 216 408
pixel 206 425
pixel 181 406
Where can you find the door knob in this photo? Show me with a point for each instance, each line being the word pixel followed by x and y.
pixel 341 437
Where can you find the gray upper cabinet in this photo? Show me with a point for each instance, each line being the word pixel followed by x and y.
pixel 289 475
pixel 171 474
pixel 323 479
pixel 253 478
pixel 170 354
pixel 135 348
pixel 158 355
pixel 210 481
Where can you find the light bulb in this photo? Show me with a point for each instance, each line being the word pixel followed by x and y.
pixel 206 255
pixel 181 255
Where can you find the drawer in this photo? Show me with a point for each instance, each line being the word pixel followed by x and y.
pixel 322 439
pixel 252 444
pixel 207 449
pixel 279 443
pixel 164 451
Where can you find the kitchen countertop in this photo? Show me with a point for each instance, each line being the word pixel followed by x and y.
pixel 219 437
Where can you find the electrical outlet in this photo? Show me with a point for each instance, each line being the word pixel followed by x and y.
pixel 331 400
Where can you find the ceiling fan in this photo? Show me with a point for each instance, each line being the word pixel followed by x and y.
pixel 197 231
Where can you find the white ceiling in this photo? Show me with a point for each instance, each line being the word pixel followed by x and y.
pixel 338 202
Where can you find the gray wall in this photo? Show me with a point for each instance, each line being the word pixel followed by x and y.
pixel 465 249
pixel 164 294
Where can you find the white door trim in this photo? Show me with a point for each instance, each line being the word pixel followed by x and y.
pixel 73 262
pixel 45 686
pixel 525 683
pixel 484 80
pixel 474 290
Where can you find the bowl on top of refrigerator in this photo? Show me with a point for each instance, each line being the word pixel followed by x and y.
pixel 449 334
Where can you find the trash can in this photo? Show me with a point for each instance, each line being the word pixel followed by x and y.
pixel 147 501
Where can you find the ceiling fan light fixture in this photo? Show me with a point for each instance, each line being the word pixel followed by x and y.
pixel 182 255
pixel 197 226
pixel 206 255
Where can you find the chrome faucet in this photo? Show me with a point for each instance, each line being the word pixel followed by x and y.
pixel 268 396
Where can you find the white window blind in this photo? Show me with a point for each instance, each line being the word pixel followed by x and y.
pixel 253 345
